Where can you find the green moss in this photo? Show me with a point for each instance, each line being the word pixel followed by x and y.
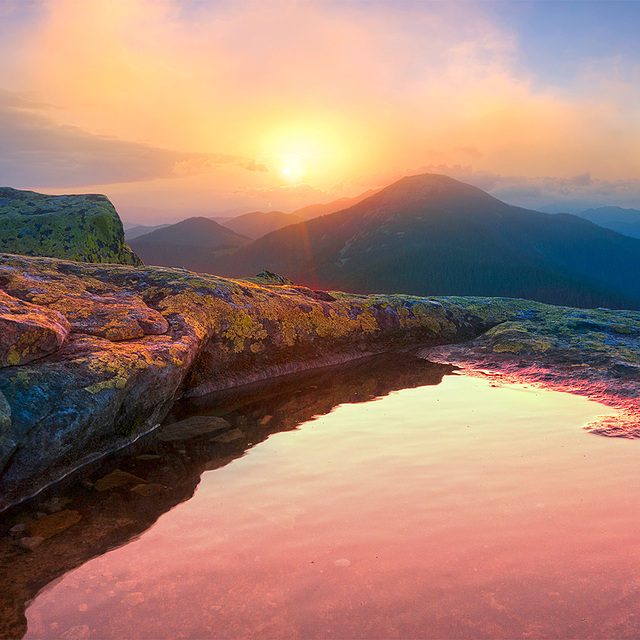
pixel 84 228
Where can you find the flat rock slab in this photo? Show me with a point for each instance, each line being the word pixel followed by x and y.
pixel 117 479
pixel 192 427
pixel 51 525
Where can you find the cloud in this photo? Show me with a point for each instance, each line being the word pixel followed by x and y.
pixel 543 191
pixel 37 152
pixel 300 188
pixel 365 91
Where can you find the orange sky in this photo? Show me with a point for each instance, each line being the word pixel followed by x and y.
pixel 175 107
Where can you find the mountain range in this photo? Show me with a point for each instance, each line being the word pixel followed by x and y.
pixel 137 230
pixel 626 221
pixel 432 235
pixel 258 223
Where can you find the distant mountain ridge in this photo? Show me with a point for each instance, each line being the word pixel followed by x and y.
pixel 316 210
pixel 191 243
pixel 258 223
pixel 137 230
pixel 626 221
pixel 432 235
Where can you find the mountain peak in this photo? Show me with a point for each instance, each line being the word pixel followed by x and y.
pixel 427 191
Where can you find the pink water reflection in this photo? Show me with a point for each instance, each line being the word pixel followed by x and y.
pixel 457 510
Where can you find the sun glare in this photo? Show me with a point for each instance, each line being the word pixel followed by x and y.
pixel 292 169
pixel 310 151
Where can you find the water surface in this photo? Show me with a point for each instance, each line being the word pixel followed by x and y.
pixel 456 510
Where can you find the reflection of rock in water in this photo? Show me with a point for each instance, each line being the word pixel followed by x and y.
pixel 283 403
pixel 109 503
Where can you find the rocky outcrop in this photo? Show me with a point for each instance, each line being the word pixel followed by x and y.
pixel 126 342
pixel 85 228
pixel 114 346
pixel 590 352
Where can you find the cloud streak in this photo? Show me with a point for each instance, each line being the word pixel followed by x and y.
pixel 37 152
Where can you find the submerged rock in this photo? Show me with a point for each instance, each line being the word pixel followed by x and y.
pixel 31 542
pixel 85 228
pixel 51 525
pixel 192 427
pixel 228 437
pixel 148 490
pixel 117 479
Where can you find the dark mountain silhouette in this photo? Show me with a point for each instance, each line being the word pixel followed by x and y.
pixel 625 221
pixel 432 235
pixel 192 244
pixel 258 223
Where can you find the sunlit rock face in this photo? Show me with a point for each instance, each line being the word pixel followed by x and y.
pixel 28 331
pixel 123 343
pixel 85 228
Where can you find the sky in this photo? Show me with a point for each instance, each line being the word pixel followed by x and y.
pixel 205 107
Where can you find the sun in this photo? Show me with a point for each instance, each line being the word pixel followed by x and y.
pixel 292 169
pixel 309 150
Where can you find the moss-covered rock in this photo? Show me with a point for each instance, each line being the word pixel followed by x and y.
pixel 85 228
pixel 269 277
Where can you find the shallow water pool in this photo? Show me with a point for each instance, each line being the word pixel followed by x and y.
pixel 460 510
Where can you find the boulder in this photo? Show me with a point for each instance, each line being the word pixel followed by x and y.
pixel 85 228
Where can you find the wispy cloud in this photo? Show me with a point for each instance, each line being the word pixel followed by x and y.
pixel 37 152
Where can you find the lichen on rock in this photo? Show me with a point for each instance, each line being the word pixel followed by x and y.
pixel 28 332
pixel 590 352
pixel 85 228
